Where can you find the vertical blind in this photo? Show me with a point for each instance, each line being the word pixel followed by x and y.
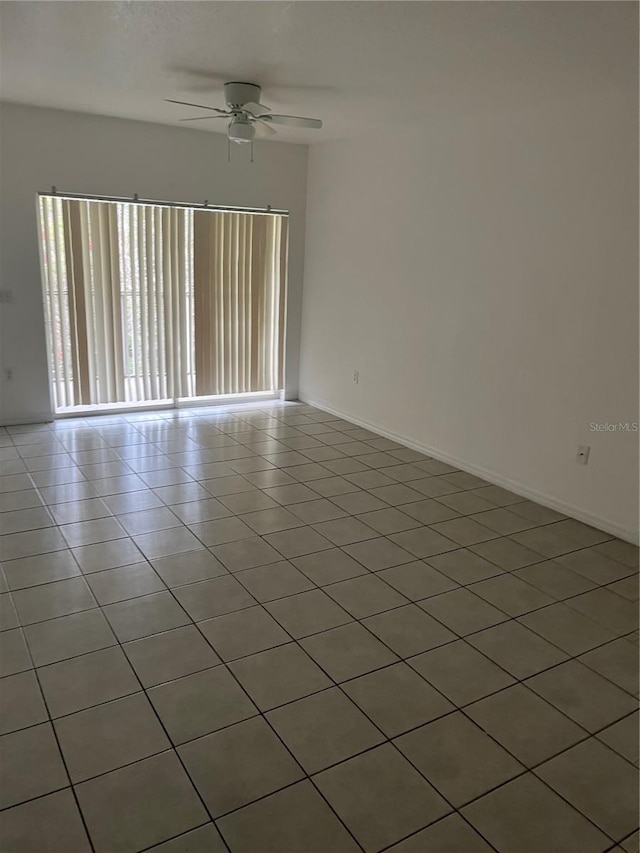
pixel 239 265
pixel 149 302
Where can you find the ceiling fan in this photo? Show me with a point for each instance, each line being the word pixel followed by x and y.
pixel 248 117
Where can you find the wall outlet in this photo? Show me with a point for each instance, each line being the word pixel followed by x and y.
pixel 6 297
pixel 582 456
pixel 356 376
pixel 8 374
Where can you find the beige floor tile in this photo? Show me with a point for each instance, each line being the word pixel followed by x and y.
pixel 22 520
pixel 464 531
pixel 68 636
pixel 91 679
pixel 583 695
pixel 296 818
pixel 313 512
pixel 624 552
pixel 345 531
pixel 507 553
pixel 14 655
pixel 298 542
pixel 31 765
pixel 340 525
pixel 121 584
pixel 218 763
pixel 417 580
pixel 359 502
pixel 462 611
pixel 348 651
pixel 148 520
pixel 554 579
pixel 108 736
pixel 511 595
pixel 48 825
pixel 205 839
pixel 450 835
pixel 148 614
pixel 40 569
pixel 323 729
pixel 201 703
pixel 460 672
pixel 394 494
pixel 307 613
pixel 592 564
pixel 525 724
pixel 617 661
pixel 271 520
pixel 503 521
pixel 246 554
pixel 389 520
pixel 245 632
pixel 172 654
pixel 393 800
pixel 378 554
pixel 207 509
pixel 21 703
pixel 545 540
pixel 15 545
pixel 607 609
pixel 566 628
pixel 8 615
pixel 516 649
pixel 366 595
pixel 206 599
pixel 526 816
pixel 442 749
pixel 278 676
pixel 189 567
pixel 466 503
pixel 428 511
pixel 164 543
pixel 331 566
pixel 266 583
pixel 464 566
pixel 154 801
pixel 92 532
pixel 622 737
pixel 598 783
pixel 52 600
pixel 423 542
pixel 408 630
pixel 397 699
pixel 107 555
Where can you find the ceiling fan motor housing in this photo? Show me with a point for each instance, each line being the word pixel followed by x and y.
pixel 238 94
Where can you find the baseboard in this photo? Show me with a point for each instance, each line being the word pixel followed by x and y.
pixel 496 479
pixel 34 418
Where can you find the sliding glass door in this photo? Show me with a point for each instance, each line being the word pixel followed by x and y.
pixel 155 304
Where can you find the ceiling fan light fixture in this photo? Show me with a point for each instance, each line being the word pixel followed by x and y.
pixel 241 131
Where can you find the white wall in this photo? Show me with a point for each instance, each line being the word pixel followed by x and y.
pixel 106 156
pixel 481 273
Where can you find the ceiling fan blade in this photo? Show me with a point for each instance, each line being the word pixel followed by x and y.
pixel 201 118
pixel 293 121
pixel 263 129
pixel 200 106
pixel 255 109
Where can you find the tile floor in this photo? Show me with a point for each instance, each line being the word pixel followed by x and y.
pixel 267 630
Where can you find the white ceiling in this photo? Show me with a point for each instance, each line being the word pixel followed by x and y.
pixel 356 65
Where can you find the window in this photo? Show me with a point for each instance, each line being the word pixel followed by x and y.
pixel 157 303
